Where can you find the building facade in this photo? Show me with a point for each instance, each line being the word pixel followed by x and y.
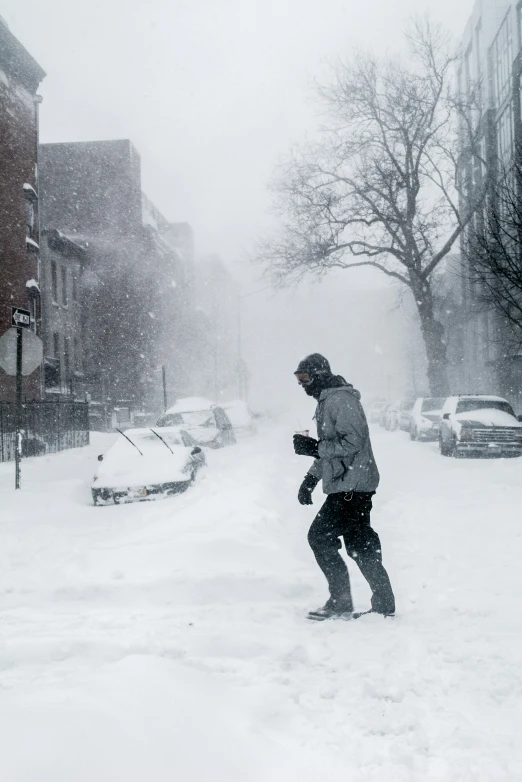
pixel 119 289
pixel 490 76
pixel 20 76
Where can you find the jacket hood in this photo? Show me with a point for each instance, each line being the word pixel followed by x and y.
pixel 346 388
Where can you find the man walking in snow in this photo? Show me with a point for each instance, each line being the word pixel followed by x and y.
pixel 344 461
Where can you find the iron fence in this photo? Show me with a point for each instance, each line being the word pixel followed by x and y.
pixel 47 427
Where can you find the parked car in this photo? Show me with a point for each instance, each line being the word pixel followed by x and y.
pixel 479 424
pixel 398 414
pixel 207 423
pixel 375 409
pixel 240 417
pixel 425 417
pixel 391 416
pixel 404 414
pixel 383 415
pixel 145 464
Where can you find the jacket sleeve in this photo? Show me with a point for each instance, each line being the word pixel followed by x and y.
pixel 316 469
pixel 350 427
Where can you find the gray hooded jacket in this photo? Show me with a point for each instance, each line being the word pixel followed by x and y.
pixel 346 461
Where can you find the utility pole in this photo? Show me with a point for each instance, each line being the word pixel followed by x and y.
pixel 164 377
pixel 239 356
pixel 18 440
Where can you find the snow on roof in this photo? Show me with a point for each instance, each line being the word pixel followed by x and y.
pixel 190 405
pixel 32 243
pixel 30 189
pixel 32 284
pixel 485 397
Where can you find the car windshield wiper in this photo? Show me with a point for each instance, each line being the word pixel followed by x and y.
pixel 130 441
pixel 163 441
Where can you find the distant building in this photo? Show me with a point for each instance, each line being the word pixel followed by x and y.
pixel 220 376
pixel 20 76
pixel 491 72
pixel 133 273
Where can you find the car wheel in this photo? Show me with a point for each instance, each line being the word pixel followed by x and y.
pixel 443 448
pixel 413 434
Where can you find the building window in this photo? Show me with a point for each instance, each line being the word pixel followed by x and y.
pixel 74 287
pixel 56 344
pixel 467 71
pixel 77 355
pixel 505 136
pixel 501 59
pixel 29 218
pixel 478 49
pixel 67 358
pixel 54 281
pixel 64 286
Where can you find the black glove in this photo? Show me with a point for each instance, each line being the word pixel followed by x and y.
pixel 306 488
pixel 306 446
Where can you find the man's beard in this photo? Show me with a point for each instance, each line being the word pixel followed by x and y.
pixel 314 389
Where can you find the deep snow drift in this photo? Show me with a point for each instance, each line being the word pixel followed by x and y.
pixel 167 640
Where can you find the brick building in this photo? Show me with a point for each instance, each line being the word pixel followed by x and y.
pixel 20 76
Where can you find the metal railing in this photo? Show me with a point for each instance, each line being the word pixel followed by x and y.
pixel 47 427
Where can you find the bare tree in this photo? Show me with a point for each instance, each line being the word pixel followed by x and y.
pixel 380 186
pixel 493 252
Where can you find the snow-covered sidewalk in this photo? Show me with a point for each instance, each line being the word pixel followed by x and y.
pixel 166 640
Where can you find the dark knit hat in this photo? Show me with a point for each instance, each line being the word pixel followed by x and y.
pixel 314 364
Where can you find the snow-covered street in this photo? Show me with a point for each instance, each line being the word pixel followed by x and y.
pixel 167 640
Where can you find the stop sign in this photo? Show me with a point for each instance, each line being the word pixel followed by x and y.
pixel 32 352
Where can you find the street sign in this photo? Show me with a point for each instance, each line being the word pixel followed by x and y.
pixel 32 355
pixel 20 317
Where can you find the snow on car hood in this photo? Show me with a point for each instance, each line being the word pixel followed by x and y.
pixel 126 468
pixel 238 413
pixel 487 417
pixel 202 434
pixel 190 405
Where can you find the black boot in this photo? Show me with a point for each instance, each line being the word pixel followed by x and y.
pixel 358 614
pixel 333 609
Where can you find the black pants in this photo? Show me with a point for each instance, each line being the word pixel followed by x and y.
pixel 348 516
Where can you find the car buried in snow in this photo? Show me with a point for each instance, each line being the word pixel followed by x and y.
pixel 207 423
pixel 146 464
pixel 479 424
pixel 425 418
pixel 241 417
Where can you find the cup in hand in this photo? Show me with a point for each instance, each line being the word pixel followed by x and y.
pixel 304 432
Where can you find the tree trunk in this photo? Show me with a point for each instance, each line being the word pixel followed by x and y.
pixel 433 336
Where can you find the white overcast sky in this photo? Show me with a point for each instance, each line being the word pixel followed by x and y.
pixel 211 92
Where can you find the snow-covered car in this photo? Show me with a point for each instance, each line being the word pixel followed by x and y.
pixel 479 423
pixel 404 414
pixel 207 423
pixel 146 464
pixel 375 409
pixel 383 415
pixel 398 415
pixel 425 417
pixel 240 417
pixel 391 416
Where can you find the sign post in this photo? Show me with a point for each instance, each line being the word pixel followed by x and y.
pixel 21 319
pixel 21 352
